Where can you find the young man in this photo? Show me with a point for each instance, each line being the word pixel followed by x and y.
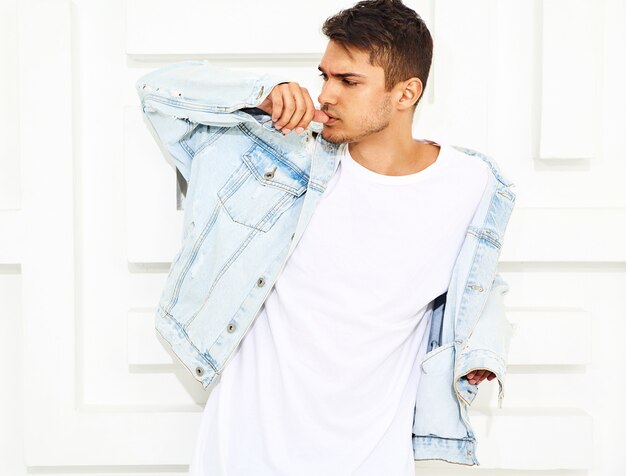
pixel 351 364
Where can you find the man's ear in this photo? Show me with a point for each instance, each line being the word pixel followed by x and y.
pixel 410 90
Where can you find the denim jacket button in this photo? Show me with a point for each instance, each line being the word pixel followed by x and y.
pixel 231 327
pixel 199 371
pixel 270 175
pixel 260 282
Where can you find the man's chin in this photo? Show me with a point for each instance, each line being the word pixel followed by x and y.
pixel 328 136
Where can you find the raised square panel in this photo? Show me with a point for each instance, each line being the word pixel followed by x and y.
pixel 10 170
pixel 153 222
pixel 534 342
pixel 462 72
pixel 227 27
pixel 525 439
pixel 565 235
pixel 11 237
pixel 569 71
pixel 144 347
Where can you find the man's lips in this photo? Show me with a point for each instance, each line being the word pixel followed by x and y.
pixel 332 119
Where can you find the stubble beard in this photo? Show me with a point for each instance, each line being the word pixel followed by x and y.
pixel 370 124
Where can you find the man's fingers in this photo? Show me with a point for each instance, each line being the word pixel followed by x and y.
pixel 299 108
pixel 287 110
pixel 266 105
pixel 481 376
pixel 277 104
pixel 477 376
pixel 486 374
pixel 309 112
pixel 289 106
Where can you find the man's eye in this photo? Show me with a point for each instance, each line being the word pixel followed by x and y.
pixel 349 83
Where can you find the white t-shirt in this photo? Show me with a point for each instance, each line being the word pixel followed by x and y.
pixel 324 382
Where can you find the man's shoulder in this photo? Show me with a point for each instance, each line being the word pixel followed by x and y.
pixel 487 159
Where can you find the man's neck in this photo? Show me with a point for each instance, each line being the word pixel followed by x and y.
pixel 405 160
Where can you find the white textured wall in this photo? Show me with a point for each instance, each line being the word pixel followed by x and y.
pixel 88 220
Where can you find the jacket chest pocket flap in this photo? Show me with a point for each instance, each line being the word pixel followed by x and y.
pixel 262 188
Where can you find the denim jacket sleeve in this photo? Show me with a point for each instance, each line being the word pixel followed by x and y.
pixel 488 345
pixel 187 101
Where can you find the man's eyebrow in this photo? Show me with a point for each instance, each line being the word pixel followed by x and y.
pixel 343 75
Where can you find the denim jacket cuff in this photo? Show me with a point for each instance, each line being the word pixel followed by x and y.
pixel 205 93
pixel 478 359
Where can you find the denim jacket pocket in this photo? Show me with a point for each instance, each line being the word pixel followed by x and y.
pixel 262 188
pixel 439 360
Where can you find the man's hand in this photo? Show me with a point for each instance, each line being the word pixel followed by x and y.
pixel 291 107
pixel 477 376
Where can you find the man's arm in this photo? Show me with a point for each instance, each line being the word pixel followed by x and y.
pixel 487 346
pixel 185 102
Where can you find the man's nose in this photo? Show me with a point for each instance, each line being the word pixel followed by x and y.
pixel 327 95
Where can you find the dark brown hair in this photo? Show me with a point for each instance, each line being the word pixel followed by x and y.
pixel 395 36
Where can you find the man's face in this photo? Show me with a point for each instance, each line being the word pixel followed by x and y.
pixel 358 101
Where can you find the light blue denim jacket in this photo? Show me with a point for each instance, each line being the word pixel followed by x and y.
pixel 251 192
